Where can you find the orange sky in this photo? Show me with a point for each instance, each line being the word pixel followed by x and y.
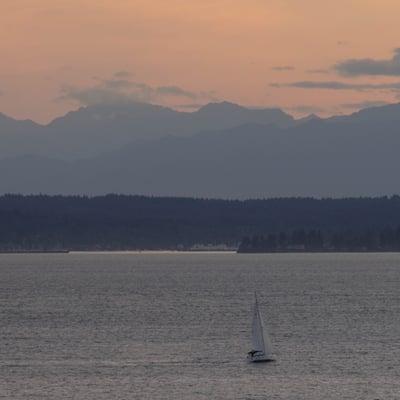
pixel 212 49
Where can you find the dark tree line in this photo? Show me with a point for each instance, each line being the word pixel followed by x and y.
pixel 387 239
pixel 136 222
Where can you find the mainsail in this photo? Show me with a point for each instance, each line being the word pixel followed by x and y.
pixel 260 338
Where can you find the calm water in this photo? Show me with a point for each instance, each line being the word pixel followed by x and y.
pixel 177 326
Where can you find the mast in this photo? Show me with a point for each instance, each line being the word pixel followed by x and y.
pixel 260 322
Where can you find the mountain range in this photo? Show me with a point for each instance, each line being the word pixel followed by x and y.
pixel 222 150
pixel 93 130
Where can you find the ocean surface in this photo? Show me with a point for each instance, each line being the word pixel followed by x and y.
pixel 177 326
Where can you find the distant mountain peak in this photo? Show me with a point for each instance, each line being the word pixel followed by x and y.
pixel 4 116
pixel 225 151
pixel 311 116
pixel 222 106
pixel 391 111
pixel 6 120
pixel 107 112
pixel 226 107
pixel 377 114
pixel 308 118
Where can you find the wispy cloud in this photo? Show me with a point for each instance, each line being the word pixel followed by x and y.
pixel 175 91
pixel 364 104
pixel 120 89
pixel 318 71
pixel 281 68
pixel 123 74
pixel 337 85
pixel 370 66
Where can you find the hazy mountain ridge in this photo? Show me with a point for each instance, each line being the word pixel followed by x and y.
pixel 351 156
pixel 90 131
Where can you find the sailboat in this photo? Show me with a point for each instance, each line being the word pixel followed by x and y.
pixel 262 349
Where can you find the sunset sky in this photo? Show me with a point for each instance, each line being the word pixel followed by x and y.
pixel 305 56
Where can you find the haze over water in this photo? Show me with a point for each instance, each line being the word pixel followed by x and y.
pixel 177 326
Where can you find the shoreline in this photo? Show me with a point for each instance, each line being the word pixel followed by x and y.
pixel 161 251
pixel 181 252
pixel 34 251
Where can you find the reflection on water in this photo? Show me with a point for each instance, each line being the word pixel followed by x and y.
pixel 177 326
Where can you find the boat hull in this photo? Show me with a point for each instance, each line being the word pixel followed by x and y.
pixel 259 358
pixel 265 360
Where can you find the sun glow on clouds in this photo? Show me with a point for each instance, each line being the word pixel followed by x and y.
pixel 234 49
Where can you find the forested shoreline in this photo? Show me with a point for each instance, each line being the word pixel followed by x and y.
pixel 372 240
pixel 119 222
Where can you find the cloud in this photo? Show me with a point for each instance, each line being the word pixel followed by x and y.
pixel 123 91
pixel 318 71
pixel 283 68
pixel 369 66
pixel 336 85
pixel 175 91
pixel 108 93
pixel 306 109
pixel 364 104
pixel 123 74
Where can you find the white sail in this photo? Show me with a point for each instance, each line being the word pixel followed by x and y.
pixel 260 338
